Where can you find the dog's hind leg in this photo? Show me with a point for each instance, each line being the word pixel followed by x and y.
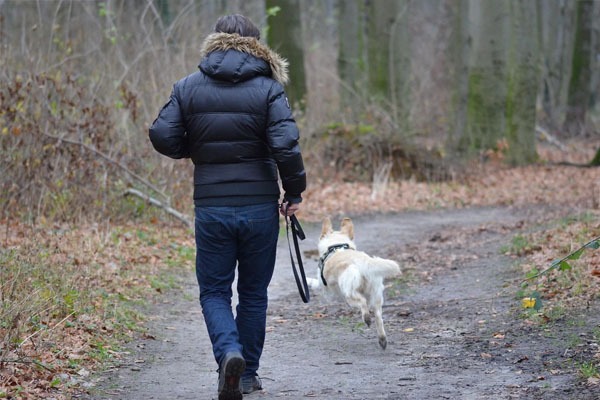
pixel 380 329
pixel 350 283
pixel 356 300
pixel 377 306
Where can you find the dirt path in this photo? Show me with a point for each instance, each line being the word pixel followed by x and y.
pixel 452 324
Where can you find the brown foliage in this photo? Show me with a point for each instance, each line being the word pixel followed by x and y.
pixel 66 298
pixel 52 127
pixel 357 153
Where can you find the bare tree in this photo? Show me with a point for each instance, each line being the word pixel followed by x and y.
pixel 522 82
pixel 486 96
pixel 352 55
pixel 579 84
pixel 555 31
pixel 285 36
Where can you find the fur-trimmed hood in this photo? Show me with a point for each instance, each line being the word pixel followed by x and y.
pixel 226 41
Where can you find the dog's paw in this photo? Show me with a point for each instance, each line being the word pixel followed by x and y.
pixel 383 342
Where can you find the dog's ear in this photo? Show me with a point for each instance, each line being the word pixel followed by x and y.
pixel 327 228
pixel 348 228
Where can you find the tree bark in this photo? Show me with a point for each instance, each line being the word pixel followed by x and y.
pixel 285 36
pixel 486 82
pixel 555 30
pixel 399 64
pixel 522 69
pixel 579 84
pixel 352 59
pixel 459 45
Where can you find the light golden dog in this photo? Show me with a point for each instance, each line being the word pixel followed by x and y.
pixel 353 274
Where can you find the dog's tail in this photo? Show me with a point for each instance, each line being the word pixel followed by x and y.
pixel 383 267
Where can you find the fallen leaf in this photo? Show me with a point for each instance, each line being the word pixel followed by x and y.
pixel 528 302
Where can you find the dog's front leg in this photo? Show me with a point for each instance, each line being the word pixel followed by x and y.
pixel 313 283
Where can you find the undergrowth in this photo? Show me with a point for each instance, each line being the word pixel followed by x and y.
pixel 562 275
pixel 70 298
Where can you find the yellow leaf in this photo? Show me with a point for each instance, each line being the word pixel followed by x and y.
pixel 528 302
pixel 409 329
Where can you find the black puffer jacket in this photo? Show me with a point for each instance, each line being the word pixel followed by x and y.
pixel 233 119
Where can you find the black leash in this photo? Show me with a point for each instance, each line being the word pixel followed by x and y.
pixel 297 232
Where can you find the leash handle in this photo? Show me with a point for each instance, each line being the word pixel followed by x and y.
pixel 297 227
pixel 300 278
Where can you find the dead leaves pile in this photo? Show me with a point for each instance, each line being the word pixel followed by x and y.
pixel 575 287
pixel 68 299
pixel 488 186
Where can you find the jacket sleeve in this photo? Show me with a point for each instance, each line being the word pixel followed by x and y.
pixel 283 136
pixel 167 133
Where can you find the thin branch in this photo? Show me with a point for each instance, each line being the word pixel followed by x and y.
pixel 43 330
pixel 108 159
pixel 556 264
pixel 169 210
pixel 545 135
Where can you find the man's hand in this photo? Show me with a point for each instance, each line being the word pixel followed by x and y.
pixel 288 209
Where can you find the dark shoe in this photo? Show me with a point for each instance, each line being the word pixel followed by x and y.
pixel 231 369
pixel 251 384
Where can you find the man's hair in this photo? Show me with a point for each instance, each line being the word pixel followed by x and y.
pixel 236 23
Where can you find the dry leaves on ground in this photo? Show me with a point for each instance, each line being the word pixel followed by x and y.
pixel 85 279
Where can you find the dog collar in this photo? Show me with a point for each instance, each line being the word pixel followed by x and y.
pixel 328 253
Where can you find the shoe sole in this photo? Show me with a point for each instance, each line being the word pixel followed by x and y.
pixel 234 368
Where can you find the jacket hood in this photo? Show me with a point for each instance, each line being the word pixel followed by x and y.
pixel 222 42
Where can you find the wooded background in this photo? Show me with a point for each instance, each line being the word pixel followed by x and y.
pixel 382 89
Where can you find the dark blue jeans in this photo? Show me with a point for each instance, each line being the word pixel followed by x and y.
pixel 245 236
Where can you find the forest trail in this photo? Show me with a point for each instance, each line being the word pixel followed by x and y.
pixel 453 325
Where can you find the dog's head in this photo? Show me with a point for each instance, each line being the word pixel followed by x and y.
pixel 329 237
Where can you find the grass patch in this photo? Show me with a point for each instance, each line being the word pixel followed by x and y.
pixel 588 369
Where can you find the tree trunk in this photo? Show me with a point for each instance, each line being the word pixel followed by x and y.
pixel 596 160
pixel 352 60
pixel 595 79
pixel 555 29
pixel 165 12
pixel 399 65
pixel 486 82
pixel 459 45
pixel 522 69
pixel 579 84
pixel 319 27
pixel 381 17
pixel 285 36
